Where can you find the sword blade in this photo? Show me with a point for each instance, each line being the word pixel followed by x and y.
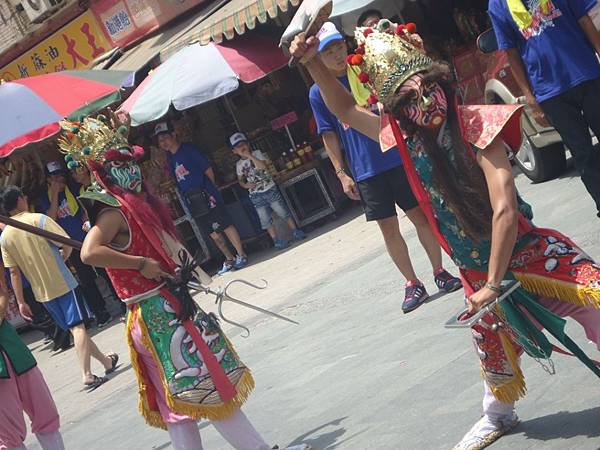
pixel 199 288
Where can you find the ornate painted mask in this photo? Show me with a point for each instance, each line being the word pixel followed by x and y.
pixel 126 174
pixel 427 106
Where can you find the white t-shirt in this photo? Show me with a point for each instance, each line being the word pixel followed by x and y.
pixel 245 169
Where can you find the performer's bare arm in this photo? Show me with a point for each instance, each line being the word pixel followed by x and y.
pixel 17 285
pixel 339 101
pixel 96 250
pixel 503 198
pixel 334 150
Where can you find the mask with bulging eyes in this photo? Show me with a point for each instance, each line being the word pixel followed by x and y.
pixel 126 174
pixel 427 105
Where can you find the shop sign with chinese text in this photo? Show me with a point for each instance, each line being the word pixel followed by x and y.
pixel 125 21
pixel 74 46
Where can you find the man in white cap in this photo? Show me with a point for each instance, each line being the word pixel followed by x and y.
pixel 376 178
pixel 253 175
pixel 196 181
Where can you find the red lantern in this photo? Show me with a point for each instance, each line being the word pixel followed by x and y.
pixel 349 59
pixel 363 77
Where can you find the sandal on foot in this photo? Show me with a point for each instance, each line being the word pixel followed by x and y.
pixel 95 384
pixel 114 358
pixel 486 431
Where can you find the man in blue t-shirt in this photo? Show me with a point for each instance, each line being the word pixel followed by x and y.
pixel 552 48
pixel 60 204
pixel 377 179
pixel 196 181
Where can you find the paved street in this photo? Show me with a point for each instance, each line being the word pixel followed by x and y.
pixel 357 374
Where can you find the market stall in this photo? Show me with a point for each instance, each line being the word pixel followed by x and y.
pixel 249 89
pixel 275 115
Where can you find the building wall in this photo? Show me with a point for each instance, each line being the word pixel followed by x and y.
pixel 13 26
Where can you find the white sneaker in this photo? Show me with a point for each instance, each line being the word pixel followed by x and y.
pixel 486 431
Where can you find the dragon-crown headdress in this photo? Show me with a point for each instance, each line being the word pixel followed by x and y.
pixel 94 140
pixel 387 55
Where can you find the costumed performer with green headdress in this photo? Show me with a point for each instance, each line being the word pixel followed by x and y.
pixel 186 367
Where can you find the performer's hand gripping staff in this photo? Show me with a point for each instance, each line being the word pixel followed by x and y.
pixel 186 277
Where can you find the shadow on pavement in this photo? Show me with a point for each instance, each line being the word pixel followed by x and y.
pixel 563 425
pixel 437 296
pixel 325 440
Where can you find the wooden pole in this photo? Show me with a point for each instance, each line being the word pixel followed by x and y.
pixel 41 232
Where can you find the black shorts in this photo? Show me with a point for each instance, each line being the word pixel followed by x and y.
pixel 381 193
pixel 216 220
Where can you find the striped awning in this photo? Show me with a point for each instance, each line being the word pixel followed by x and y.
pixel 233 18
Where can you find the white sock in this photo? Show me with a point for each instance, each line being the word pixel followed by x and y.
pixel 494 408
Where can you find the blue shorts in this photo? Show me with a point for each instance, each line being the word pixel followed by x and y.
pixel 269 202
pixel 66 310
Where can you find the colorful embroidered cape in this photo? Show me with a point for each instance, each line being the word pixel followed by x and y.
pixel 546 262
pixel 201 374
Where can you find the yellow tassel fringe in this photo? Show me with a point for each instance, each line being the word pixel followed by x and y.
pixel 195 411
pixel 570 292
pixel 153 418
pixel 515 389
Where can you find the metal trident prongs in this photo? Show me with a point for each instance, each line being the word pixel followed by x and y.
pixel 222 296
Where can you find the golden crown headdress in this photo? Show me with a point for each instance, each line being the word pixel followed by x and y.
pixel 90 140
pixel 387 55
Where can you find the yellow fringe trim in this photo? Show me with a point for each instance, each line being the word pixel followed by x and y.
pixel 195 411
pixel 515 389
pixel 549 287
pixel 153 418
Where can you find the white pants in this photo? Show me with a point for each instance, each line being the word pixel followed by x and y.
pixel 237 431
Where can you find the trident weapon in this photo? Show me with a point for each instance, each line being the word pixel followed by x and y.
pixel 221 294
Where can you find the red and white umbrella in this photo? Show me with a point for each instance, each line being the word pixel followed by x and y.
pixel 30 108
pixel 199 73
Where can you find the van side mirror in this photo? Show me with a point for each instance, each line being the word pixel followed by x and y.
pixel 486 42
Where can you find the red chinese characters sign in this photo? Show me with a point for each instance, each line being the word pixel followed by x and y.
pixel 74 46
pixel 125 21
